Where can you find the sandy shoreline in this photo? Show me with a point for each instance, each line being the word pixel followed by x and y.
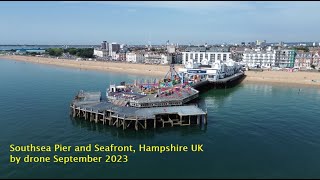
pixel 283 77
pixel 274 77
pixel 128 68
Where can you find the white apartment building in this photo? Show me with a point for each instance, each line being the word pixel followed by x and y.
pixel 134 57
pixel 204 57
pixel 166 59
pixel 171 49
pixel 260 58
pixel 316 60
pixel 114 55
pixel 100 53
pixel 151 58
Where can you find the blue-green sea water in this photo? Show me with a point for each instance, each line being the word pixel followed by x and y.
pixel 253 131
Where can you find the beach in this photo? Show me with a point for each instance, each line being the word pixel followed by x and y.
pixel 284 77
pixel 121 67
pixel 277 77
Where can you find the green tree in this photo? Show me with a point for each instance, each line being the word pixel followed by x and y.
pixel 85 52
pixel 305 49
pixel 55 51
pixel 72 51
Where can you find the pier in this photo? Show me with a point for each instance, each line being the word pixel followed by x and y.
pixel 227 82
pixel 139 118
pixel 91 108
pixel 144 105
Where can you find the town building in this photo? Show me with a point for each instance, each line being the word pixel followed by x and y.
pixel 104 45
pixel 303 60
pixel 203 56
pixel 134 57
pixel 177 58
pixel 285 58
pixel 113 49
pixel 121 56
pixel 171 49
pixel 314 49
pixel 258 58
pixel 25 51
pixel 100 52
pixel 237 53
pixel 154 58
pixel 316 60
pixel 261 43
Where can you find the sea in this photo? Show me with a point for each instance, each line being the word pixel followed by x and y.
pixel 254 130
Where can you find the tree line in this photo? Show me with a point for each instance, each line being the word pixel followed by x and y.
pixel 305 49
pixel 79 52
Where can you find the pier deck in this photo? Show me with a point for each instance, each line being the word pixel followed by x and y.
pixel 127 116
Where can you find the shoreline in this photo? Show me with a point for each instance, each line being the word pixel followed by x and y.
pixel 283 78
pixel 158 71
pixel 269 77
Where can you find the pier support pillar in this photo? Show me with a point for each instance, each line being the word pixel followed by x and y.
pixel 74 111
pixel 136 125
pixel 117 120
pixel 70 109
pixel 124 123
pixel 110 121
pixel 79 112
pixel 155 122
pixel 205 119
pixel 198 119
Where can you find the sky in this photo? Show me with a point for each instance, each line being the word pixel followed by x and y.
pixel 141 22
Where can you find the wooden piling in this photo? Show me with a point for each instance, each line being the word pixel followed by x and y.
pixel 118 124
pixel 136 125
pixel 145 123
pixel 124 124
pixel 74 111
pixel 205 119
